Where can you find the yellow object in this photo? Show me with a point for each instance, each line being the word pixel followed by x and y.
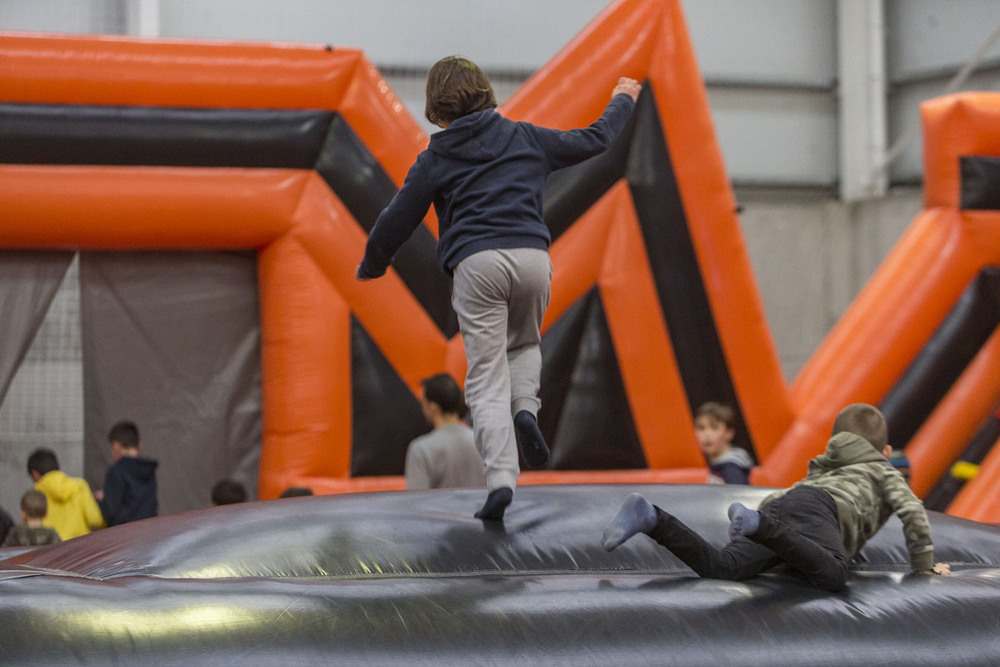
pixel 964 470
pixel 72 510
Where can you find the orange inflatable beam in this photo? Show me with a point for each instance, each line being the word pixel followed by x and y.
pixel 328 485
pixel 99 208
pixel 306 326
pixel 906 300
pixel 648 40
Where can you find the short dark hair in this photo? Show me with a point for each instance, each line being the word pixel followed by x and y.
pixel 228 492
pixel 864 420
pixel 42 461
pixel 443 390
pixel 720 412
pixel 125 433
pixel 34 504
pixel 457 87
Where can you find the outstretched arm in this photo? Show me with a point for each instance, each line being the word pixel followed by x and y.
pixel 565 148
pixel 397 222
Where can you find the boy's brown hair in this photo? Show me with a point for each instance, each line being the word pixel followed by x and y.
pixel 864 420
pixel 457 87
pixel 717 411
pixel 34 504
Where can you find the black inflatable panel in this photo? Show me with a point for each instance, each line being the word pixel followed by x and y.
pixel 944 358
pixel 411 577
pixel 385 415
pixel 590 423
pixel 159 136
pixel 980 182
pixel 674 263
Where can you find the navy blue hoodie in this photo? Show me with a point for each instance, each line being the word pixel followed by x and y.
pixel 130 490
pixel 485 176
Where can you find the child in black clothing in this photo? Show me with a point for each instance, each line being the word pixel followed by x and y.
pixel 485 175
pixel 816 526
pixel 130 491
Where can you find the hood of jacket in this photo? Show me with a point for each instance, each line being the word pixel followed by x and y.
pixel 477 137
pixel 845 449
pixel 139 468
pixel 737 455
pixel 58 486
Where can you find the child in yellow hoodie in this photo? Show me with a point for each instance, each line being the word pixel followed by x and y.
pixel 73 511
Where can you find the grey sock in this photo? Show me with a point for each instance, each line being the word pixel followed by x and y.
pixel 636 515
pixel 743 521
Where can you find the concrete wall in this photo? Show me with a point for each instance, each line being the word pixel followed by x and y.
pixel 811 256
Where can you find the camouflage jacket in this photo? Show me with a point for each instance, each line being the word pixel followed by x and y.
pixel 868 490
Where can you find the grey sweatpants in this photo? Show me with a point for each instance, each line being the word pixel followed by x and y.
pixel 500 297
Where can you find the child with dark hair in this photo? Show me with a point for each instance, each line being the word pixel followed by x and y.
pixel 72 509
pixel 715 426
pixel 443 391
pixel 447 456
pixel 816 526
pixel 485 177
pixel 130 491
pixel 31 532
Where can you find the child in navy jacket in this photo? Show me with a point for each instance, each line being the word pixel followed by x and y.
pixel 485 176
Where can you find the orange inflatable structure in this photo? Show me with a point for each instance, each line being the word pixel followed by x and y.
pixel 922 338
pixel 654 306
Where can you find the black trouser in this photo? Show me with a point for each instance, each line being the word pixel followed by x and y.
pixel 800 528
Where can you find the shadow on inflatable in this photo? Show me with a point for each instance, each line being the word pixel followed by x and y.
pixel 411 577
